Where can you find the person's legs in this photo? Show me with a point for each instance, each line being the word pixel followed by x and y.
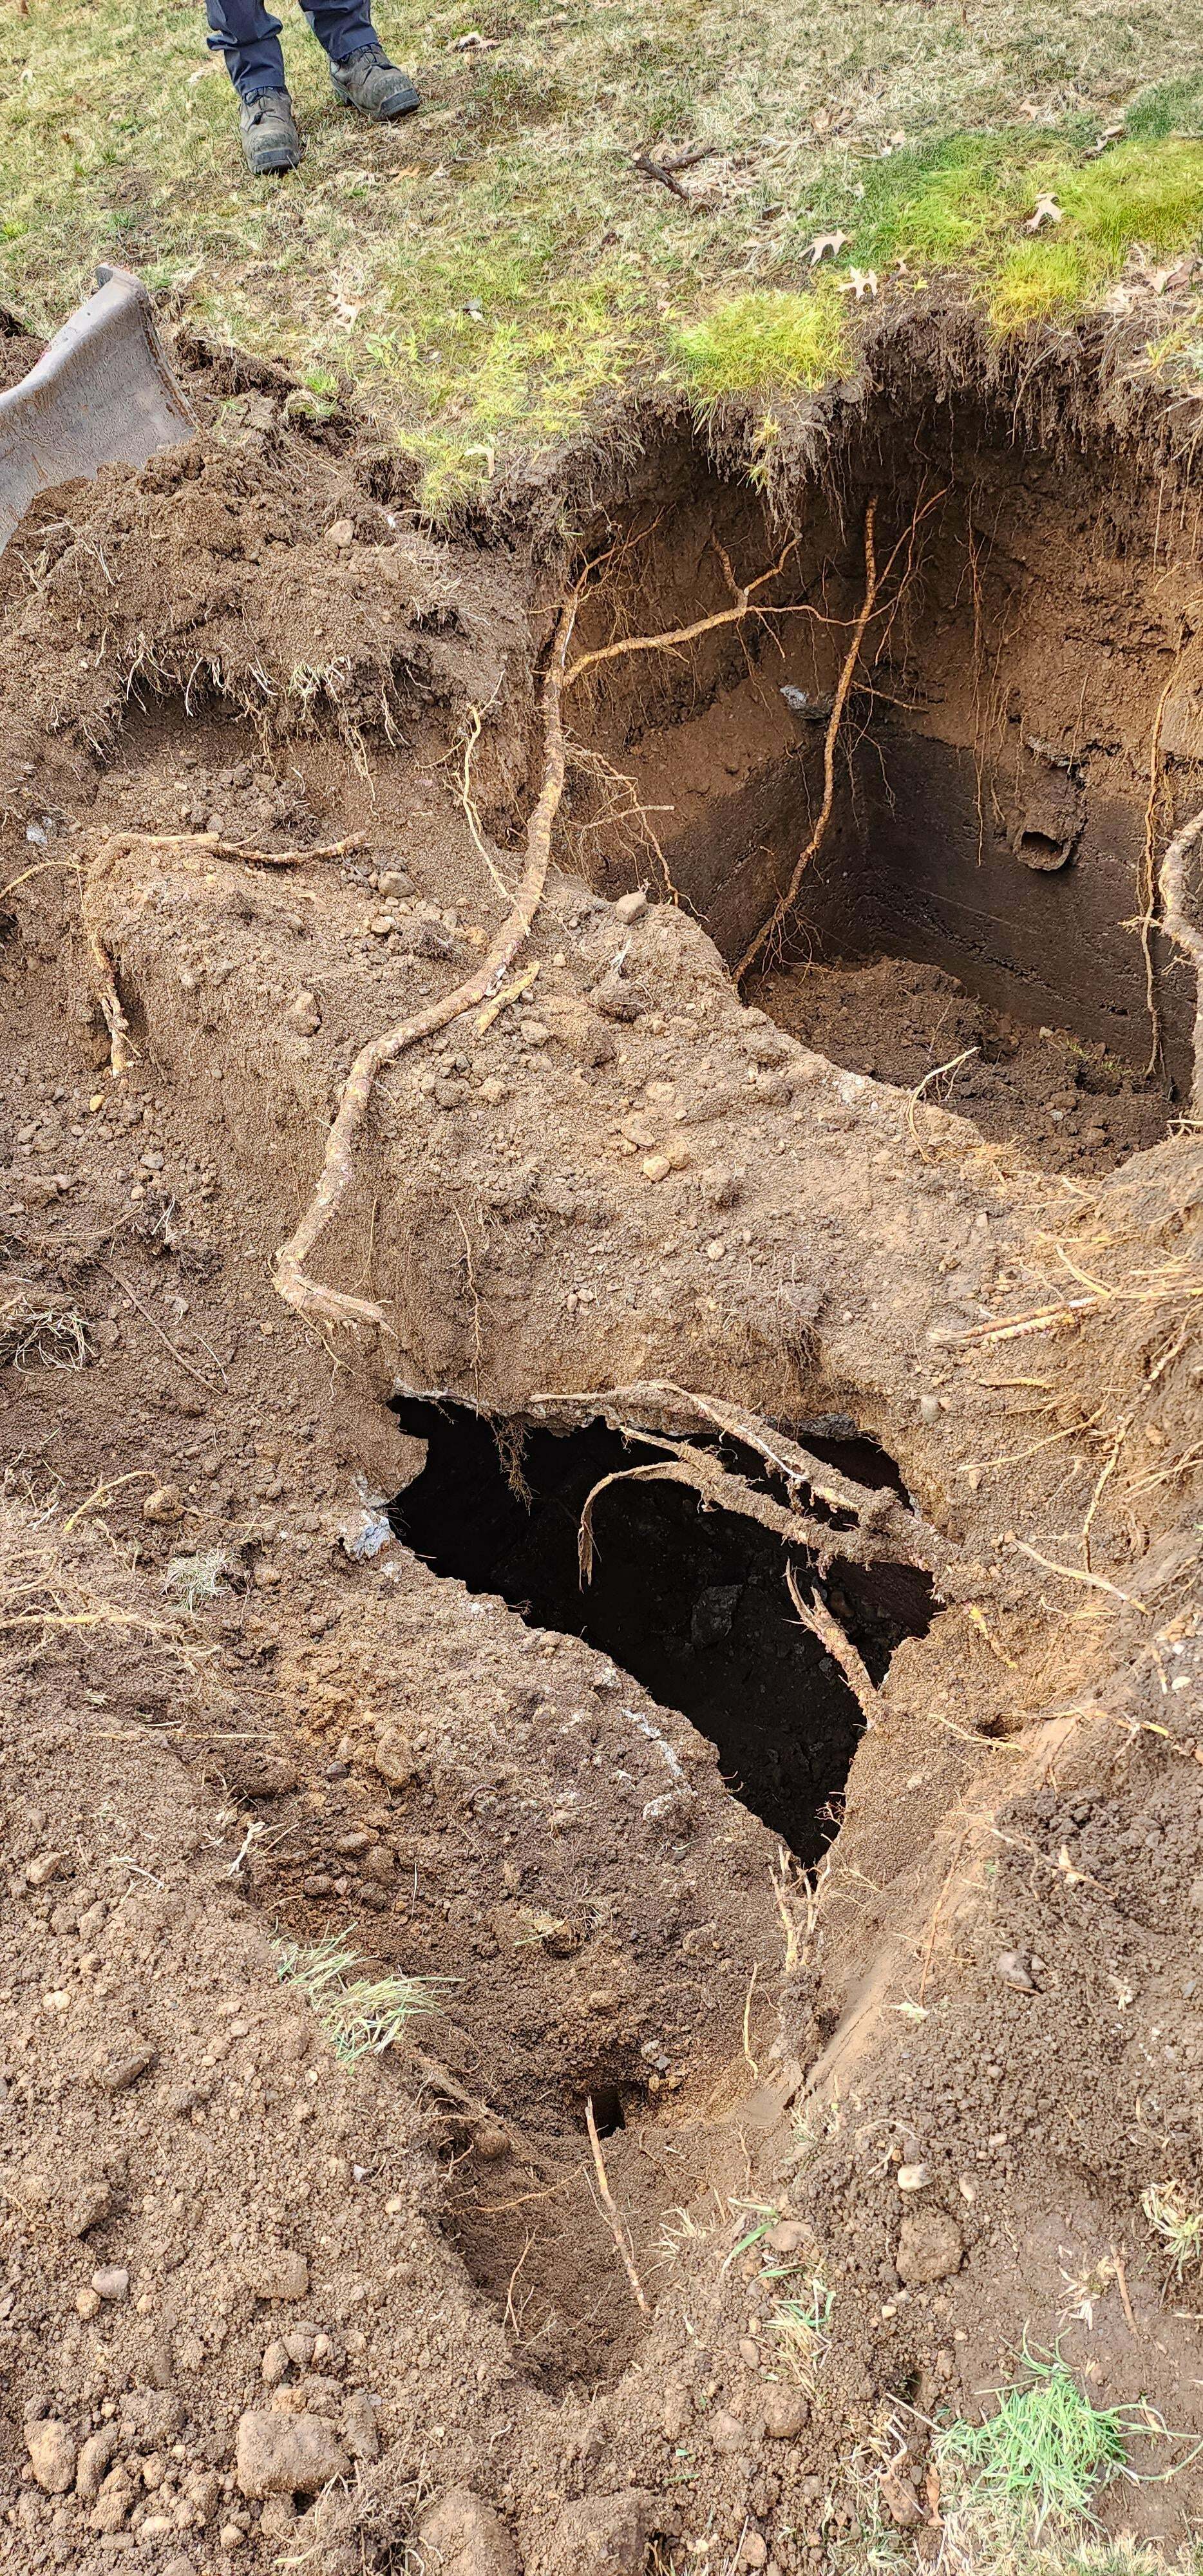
pixel 342 27
pixel 360 70
pixel 249 38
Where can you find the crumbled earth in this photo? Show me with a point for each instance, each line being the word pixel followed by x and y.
pixel 862 2130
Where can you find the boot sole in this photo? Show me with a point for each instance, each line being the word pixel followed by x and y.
pixel 272 164
pixel 380 115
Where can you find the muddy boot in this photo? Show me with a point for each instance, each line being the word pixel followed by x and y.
pixel 269 136
pixel 368 81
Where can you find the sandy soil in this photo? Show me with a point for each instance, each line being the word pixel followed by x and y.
pixel 261 2298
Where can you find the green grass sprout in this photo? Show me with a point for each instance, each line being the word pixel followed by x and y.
pixel 1047 2449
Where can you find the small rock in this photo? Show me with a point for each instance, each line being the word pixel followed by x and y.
pixel 900 2500
pixel 230 2537
pixel 394 1758
pixel 929 2247
pixel 113 2502
pixel 720 1187
pixel 727 2433
pixel 93 2202
pixel 304 1014
pixel 340 533
pixel 787 2236
pixel 491 2142
pixel 535 1033
pixel 260 1772
pixel 300 2345
pixel 274 2365
pixel 912 2177
pixel 282 2275
pixel 394 881
pixel 359 2426
pixel 786 2412
pixel 617 999
pixel 87 2303
pixel 165 1504
pixel 749 2353
pixel 755 2550
pixel 609 2535
pixel 111 2282
pixel 929 1409
pixel 47 1865
pixel 117 2074
pixel 285 2454
pixel 1014 1968
pixel 461 2535
pixel 656 1167
pixel 631 907
pixel 94 2461
pixel 52 2453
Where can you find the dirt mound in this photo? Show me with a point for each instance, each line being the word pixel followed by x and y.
pixel 441 2115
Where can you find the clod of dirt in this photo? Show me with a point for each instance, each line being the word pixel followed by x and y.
pixel 286 2454
pixel 930 2248
pixel 461 2535
pixel 609 2535
pixel 52 2455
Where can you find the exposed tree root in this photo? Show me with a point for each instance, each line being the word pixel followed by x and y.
pixel 307 1295
pixel 1189 940
pixel 722 1492
pixel 823 1624
pixel 879 1528
pixel 617 2229
pixel 102 871
pixel 782 909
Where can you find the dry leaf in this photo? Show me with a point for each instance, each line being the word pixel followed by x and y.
pixel 824 242
pixel 859 282
pixel 1047 212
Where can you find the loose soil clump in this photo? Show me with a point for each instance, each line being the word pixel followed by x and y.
pixel 596 2048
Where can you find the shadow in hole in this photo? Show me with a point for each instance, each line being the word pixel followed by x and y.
pixel 691 1602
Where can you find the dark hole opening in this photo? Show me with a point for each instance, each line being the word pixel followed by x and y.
pixel 608 2114
pixel 693 1603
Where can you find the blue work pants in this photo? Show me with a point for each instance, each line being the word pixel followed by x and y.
pixel 249 37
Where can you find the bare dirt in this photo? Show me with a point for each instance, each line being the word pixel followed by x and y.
pixel 261 2303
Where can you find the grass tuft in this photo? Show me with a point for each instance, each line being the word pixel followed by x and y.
pixel 1177 2222
pixel 360 2016
pixel 771 340
pixel 1046 2450
pixel 195 1581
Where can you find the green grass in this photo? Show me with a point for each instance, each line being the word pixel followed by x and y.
pixel 360 2016
pixel 1046 2450
pixel 487 276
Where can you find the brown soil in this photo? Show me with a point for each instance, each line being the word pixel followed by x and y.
pixel 221 2236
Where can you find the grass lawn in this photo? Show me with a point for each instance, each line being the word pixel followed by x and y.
pixel 487 274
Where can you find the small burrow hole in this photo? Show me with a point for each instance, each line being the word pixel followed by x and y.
pixel 691 1602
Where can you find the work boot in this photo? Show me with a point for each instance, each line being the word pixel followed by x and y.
pixel 269 136
pixel 367 80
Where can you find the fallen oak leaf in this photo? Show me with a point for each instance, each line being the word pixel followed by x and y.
pixel 1109 135
pixel 1047 212
pixel 859 282
pixel 824 242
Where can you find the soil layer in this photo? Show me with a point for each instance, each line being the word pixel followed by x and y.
pixel 272 2288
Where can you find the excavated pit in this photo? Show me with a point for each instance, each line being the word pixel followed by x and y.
pixel 691 1601
pixel 1024 722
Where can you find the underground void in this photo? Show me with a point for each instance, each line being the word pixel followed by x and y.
pixel 692 1602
